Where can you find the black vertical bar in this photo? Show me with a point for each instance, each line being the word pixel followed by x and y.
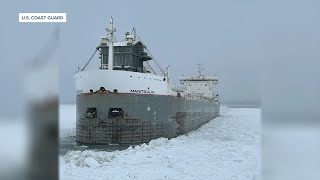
pixel 150 130
pixel 142 132
pixel 106 129
pixel 131 134
pixel 162 130
pixel 109 133
pixel 89 131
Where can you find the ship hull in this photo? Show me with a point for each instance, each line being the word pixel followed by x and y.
pixel 129 118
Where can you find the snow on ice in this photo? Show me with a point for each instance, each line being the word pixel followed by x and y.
pixel 228 147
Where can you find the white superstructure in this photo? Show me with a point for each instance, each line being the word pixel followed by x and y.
pixel 200 85
pixel 127 73
pixel 125 69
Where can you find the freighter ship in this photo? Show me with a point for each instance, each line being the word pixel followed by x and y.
pixel 125 101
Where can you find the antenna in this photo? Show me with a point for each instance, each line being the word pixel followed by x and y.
pixel 134 33
pixel 199 69
pixel 111 30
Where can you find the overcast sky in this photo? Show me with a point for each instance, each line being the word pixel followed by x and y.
pixel 222 36
pixel 231 38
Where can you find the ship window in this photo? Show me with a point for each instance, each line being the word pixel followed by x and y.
pixel 164 79
pixel 91 113
pixel 206 84
pixel 189 84
pixel 115 112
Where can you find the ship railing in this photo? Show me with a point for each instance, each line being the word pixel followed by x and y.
pixel 199 98
pixel 104 66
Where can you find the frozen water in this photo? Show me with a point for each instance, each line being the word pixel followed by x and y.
pixel 228 147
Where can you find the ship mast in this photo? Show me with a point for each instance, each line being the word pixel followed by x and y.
pixel 199 70
pixel 111 31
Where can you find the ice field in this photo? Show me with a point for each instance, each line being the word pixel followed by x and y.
pixel 228 147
